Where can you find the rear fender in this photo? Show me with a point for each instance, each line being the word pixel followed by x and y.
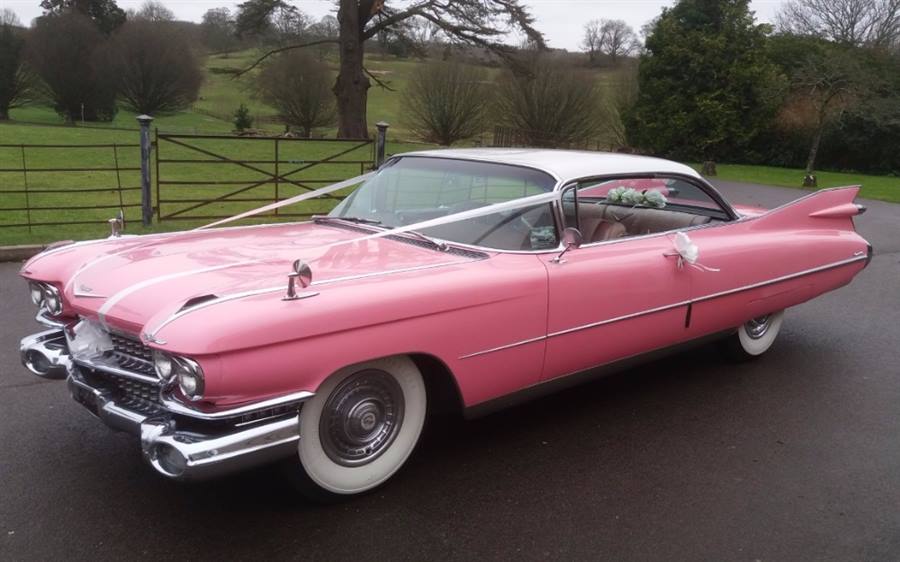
pixel 828 208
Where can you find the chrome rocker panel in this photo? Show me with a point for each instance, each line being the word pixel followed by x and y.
pixel 215 444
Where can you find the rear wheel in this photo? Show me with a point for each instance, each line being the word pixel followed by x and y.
pixel 754 337
pixel 359 429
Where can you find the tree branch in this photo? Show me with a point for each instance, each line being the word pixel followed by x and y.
pixel 397 17
pixel 378 81
pixel 282 49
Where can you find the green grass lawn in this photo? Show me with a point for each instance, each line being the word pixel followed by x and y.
pixel 220 95
pixel 183 204
pixel 885 188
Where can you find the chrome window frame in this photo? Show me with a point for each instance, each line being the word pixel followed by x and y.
pixel 703 185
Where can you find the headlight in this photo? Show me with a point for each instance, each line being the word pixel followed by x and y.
pixel 37 293
pixel 52 300
pixel 47 297
pixel 186 372
pixel 163 365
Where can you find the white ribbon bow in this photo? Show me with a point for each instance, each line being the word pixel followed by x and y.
pixel 689 252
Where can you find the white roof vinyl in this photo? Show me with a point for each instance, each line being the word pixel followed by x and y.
pixel 564 165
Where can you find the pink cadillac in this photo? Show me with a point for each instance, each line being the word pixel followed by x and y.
pixel 448 280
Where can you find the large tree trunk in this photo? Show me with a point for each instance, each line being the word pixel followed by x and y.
pixel 352 86
pixel 814 151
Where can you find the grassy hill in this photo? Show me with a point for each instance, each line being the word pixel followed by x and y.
pixel 220 95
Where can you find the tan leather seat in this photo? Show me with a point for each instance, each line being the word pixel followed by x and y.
pixel 608 222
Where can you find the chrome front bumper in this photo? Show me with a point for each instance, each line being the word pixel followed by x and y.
pixel 178 446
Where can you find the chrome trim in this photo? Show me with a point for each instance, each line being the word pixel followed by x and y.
pixel 55 358
pixel 780 279
pixel 151 336
pixel 502 347
pixel 42 318
pixel 860 209
pixel 177 407
pixel 203 456
pixel 619 319
pixel 209 456
pixel 672 306
pixel 99 364
pixel 112 301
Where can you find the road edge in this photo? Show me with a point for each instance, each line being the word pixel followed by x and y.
pixel 20 253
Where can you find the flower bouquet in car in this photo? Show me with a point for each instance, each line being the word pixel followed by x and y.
pixel 635 198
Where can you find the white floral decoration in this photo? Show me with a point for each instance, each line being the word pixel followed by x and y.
pixel 629 196
pixel 654 198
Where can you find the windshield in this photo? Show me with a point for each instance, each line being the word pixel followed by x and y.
pixel 413 189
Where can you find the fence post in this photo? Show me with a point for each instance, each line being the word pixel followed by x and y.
pixel 380 143
pixel 146 200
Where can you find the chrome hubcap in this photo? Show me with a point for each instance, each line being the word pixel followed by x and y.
pixel 361 418
pixel 757 327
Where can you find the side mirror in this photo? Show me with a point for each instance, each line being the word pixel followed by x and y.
pixel 571 238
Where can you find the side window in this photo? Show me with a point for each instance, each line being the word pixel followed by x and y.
pixel 610 209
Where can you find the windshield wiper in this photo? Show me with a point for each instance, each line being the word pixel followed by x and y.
pixel 440 246
pixel 357 220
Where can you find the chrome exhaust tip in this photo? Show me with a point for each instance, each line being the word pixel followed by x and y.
pixel 46 354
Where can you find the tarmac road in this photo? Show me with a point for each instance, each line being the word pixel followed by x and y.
pixel 793 457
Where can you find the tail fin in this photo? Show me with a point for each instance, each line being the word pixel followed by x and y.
pixel 826 208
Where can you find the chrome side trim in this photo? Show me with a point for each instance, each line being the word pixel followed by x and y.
pixel 619 319
pixel 502 347
pixel 177 407
pixel 672 306
pixel 151 336
pixel 780 279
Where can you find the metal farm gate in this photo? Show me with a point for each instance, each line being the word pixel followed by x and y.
pixel 208 177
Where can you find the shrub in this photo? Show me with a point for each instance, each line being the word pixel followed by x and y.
pixel 69 54
pixel 299 87
pixel 242 119
pixel 446 102
pixel 156 69
pixel 553 105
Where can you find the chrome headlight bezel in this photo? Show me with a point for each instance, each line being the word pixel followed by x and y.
pixel 46 297
pixel 52 300
pixel 36 291
pixel 182 371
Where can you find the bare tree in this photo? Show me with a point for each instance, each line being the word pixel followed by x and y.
pixel 68 52
pixel 617 39
pixel 482 23
pixel 17 81
pixel 854 22
pixel 553 105
pixel 591 41
pixel 446 102
pixel 154 10
pixel 156 69
pixel 619 98
pixel 218 30
pixel 296 85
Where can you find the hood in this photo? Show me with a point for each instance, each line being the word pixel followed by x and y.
pixel 132 280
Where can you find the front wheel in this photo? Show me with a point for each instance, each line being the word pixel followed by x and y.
pixel 359 429
pixel 754 337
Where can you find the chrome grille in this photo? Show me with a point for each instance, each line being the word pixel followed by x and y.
pixel 125 345
pixel 132 355
pixel 135 395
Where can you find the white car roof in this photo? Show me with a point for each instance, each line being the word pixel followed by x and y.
pixel 565 165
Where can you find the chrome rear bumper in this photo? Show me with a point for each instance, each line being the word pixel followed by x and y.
pixel 177 446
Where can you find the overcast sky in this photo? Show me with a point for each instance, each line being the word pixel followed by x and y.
pixel 561 21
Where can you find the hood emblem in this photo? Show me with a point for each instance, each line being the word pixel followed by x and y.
pixel 82 290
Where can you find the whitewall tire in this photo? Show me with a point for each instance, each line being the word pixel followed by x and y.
pixel 754 337
pixel 359 429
